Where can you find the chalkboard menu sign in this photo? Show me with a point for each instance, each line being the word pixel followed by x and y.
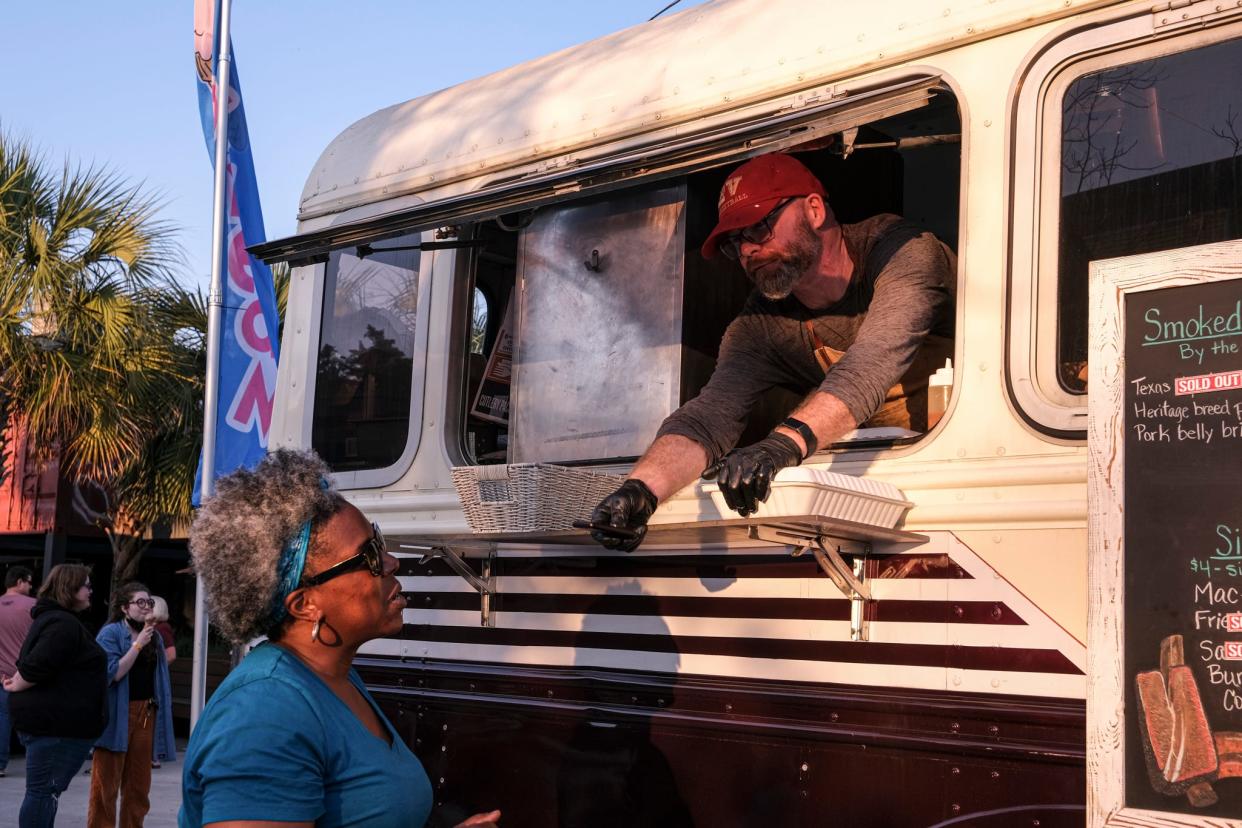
pixel 1183 550
pixel 1166 538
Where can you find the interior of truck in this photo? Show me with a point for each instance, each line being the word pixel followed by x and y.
pixel 908 164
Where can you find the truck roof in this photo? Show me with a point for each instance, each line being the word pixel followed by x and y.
pixel 663 74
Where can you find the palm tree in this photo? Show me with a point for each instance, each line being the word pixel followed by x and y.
pixel 102 353
pixel 154 486
pixel 88 362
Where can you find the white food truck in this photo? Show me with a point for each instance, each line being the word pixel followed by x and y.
pixel 899 637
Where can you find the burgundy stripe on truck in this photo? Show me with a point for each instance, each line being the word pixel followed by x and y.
pixel 691 566
pixel 811 609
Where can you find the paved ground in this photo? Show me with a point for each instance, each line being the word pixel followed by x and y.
pixel 165 795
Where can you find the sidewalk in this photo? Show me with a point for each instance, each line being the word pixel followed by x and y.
pixel 165 794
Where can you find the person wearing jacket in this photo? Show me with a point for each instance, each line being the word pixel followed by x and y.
pixel 140 703
pixel 58 696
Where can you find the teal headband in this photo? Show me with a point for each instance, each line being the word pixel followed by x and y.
pixel 289 570
pixel 289 567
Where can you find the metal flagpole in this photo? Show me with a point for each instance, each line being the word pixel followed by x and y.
pixel 215 305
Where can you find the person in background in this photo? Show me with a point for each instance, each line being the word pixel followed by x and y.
pixel 140 701
pixel 59 693
pixel 159 613
pixel 292 736
pixel 15 621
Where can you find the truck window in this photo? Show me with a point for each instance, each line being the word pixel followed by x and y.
pixel 1150 153
pixel 364 376
pixel 577 289
pixel 1133 149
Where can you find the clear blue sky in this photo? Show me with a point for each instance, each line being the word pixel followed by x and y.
pixel 113 82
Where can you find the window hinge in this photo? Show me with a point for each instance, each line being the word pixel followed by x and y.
pixel 809 98
pixel 1191 13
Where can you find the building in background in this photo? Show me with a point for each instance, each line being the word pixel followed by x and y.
pixel 46 519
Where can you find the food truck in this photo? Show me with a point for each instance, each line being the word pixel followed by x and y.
pixel 899 637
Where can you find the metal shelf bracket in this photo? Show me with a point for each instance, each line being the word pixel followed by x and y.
pixel 850 580
pixel 484 583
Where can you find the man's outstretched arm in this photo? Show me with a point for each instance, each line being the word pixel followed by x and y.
pixel 670 464
pixel 745 474
pixel 673 462
pixel 827 416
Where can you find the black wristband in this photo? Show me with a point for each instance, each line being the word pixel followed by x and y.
pixel 808 436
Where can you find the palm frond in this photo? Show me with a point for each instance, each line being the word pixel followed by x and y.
pixel 100 350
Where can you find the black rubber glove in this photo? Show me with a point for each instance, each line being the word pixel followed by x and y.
pixel 745 474
pixel 629 507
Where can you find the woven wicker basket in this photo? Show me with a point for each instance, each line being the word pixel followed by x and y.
pixel 529 497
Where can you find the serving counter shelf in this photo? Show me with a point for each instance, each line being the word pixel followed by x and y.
pixel 826 538
pixel 698 532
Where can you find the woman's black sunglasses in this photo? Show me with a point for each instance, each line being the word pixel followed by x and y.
pixel 370 556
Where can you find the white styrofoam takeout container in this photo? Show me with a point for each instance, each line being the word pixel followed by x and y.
pixel 804 491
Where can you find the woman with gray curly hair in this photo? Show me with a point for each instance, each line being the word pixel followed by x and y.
pixel 292 736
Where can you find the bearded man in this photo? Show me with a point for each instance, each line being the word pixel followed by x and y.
pixel 855 316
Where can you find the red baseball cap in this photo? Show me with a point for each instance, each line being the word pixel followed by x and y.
pixel 755 188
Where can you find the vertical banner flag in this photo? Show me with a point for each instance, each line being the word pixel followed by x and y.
pixel 249 321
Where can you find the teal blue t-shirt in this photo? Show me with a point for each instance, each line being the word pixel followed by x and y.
pixel 275 743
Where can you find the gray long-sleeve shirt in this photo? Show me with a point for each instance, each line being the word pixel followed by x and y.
pixel 901 291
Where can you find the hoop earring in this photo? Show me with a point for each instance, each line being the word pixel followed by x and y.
pixel 315 629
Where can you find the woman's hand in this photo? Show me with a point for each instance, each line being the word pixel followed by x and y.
pixel 143 638
pixel 126 662
pixel 16 684
pixel 488 820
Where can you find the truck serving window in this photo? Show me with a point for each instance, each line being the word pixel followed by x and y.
pixel 366 362
pixel 1140 150
pixel 603 317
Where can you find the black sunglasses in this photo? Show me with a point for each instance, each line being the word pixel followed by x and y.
pixel 757 233
pixel 370 557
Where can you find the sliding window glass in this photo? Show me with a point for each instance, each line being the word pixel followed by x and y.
pixel 1151 159
pixel 369 366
